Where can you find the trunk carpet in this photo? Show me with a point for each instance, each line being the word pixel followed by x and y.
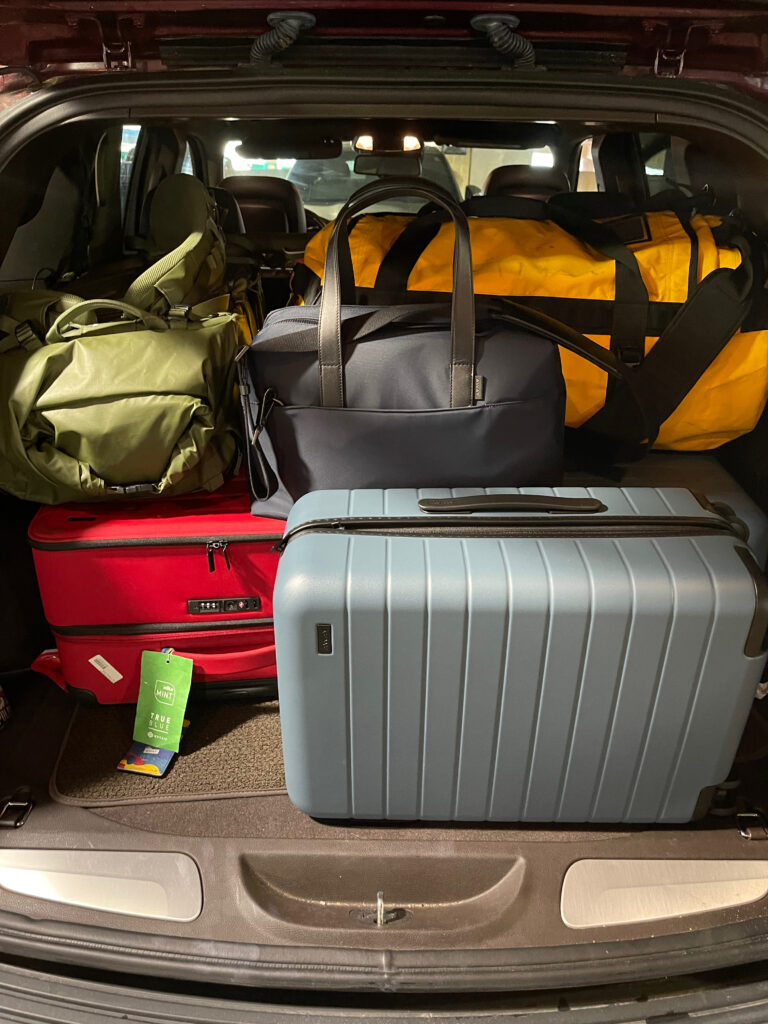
pixel 228 750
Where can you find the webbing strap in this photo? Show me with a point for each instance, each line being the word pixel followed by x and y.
pixel 696 335
pixel 366 325
pixel 261 477
pixel 142 292
pixel 631 304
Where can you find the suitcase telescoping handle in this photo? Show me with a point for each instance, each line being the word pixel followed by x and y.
pixel 513 503
pixel 339 288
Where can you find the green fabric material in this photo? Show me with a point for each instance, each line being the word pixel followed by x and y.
pixel 117 405
pixel 39 308
pixel 192 266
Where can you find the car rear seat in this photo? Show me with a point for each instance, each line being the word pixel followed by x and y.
pixel 275 228
pixel 181 261
pixel 526 182
pixel 702 474
pixel 707 173
pixel 269 206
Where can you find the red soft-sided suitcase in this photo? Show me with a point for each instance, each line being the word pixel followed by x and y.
pixel 194 573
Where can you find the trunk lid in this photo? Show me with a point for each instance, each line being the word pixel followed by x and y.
pixel 719 41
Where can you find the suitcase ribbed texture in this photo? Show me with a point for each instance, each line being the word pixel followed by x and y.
pixel 518 679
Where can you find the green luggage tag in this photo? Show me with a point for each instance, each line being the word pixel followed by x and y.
pixel 165 682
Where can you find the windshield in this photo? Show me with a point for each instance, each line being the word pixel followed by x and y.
pixel 326 184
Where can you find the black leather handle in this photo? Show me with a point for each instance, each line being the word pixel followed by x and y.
pixel 338 286
pixel 513 503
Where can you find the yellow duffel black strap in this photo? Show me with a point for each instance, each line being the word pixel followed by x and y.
pixel 697 334
pixel 589 316
pixel 629 311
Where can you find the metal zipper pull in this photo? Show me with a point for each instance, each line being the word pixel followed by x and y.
pixel 211 548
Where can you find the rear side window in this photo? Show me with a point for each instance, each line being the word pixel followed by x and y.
pixel 128 144
pixel 674 163
pixel 657 162
pixel 187 164
pixel 586 179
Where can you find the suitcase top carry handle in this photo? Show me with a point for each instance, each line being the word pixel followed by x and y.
pixel 69 316
pixel 339 286
pixel 512 503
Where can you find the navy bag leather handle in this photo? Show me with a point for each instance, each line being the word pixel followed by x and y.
pixel 338 288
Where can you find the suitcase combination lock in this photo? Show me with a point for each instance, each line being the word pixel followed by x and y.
pixel 221 605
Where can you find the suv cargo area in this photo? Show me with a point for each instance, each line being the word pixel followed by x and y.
pixel 211 873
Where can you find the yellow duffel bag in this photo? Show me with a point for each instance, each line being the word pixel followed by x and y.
pixel 670 292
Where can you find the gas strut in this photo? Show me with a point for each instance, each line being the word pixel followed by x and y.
pixel 286 27
pixel 499 29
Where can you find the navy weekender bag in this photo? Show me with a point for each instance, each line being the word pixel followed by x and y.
pixel 424 395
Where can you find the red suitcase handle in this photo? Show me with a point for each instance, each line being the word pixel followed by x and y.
pixel 230 665
pixel 49 664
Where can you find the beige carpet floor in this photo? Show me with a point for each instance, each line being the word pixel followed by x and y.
pixel 228 750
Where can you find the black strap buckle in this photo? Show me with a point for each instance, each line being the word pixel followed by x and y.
pixel 15 809
pixel 131 489
pixel 631 356
pixel 27 337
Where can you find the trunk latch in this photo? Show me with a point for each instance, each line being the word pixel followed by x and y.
pixel 15 809
pixel 752 825
pixel 379 915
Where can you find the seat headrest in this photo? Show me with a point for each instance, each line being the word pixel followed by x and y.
pixel 230 216
pixel 179 206
pixel 267 204
pixel 528 182
pixel 707 172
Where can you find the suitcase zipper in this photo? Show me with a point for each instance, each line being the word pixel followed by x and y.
pixel 520 527
pixel 160 628
pixel 143 542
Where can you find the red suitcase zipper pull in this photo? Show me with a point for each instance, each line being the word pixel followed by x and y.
pixel 211 548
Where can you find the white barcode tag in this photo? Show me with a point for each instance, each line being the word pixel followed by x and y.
pixel 107 670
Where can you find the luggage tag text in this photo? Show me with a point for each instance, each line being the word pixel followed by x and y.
pixel 166 679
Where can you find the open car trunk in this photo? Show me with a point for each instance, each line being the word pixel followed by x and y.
pixel 211 874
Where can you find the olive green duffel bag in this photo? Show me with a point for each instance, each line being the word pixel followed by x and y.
pixel 139 405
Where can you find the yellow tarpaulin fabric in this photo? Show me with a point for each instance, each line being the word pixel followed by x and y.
pixel 537 258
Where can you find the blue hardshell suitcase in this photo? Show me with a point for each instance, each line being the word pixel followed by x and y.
pixel 558 655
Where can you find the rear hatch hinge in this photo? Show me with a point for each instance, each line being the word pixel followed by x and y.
pixel 675 43
pixel 116 48
pixel 668 63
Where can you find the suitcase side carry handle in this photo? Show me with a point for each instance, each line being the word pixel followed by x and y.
pixel 231 664
pixel 513 503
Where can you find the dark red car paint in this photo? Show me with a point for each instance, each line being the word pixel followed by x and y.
pixel 725 41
